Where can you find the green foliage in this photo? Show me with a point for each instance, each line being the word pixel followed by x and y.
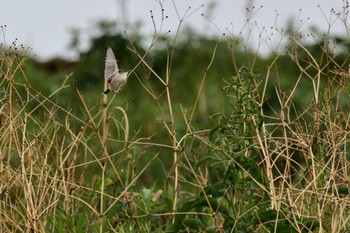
pixel 236 189
pixel 206 137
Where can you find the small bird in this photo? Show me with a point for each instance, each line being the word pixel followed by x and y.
pixel 116 77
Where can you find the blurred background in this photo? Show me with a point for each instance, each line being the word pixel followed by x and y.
pixel 47 27
pixel 71 37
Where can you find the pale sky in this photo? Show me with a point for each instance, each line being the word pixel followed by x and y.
pixel 44 25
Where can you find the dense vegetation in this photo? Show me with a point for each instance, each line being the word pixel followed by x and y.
pixel 206 136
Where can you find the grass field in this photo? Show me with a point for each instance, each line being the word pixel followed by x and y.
pixel 272 157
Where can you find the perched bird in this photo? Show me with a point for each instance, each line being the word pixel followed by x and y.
pixel 116 77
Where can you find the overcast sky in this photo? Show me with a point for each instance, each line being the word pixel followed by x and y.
pixel 44 25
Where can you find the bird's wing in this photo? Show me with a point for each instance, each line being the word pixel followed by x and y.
pixel 111 66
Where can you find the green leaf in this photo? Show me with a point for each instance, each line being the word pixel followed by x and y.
pixel 200 202
pixel 204 159
pixel 193 224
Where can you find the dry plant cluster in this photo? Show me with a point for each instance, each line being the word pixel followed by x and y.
pixel 262 167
